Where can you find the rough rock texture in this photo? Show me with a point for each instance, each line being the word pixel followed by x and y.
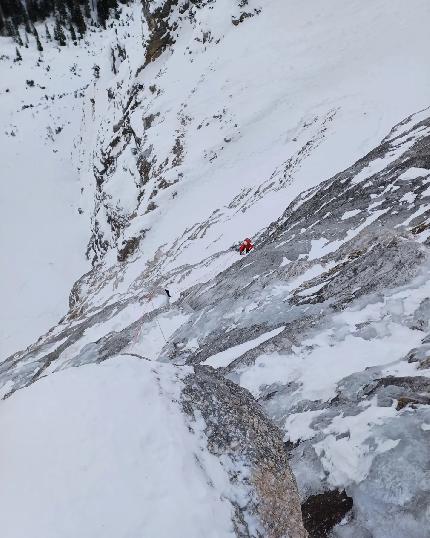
pixel 158 24
pixel 322 512
pixel 237 427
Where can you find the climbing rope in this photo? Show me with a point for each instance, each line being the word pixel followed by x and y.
pixel 156 319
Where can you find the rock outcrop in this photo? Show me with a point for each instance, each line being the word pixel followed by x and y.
pixel 238 429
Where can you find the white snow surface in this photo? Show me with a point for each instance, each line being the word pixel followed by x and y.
pixel 224 358
pixel 324 360
pixel 349 214
pixel 104 451
pixel 42 237
pixel 413 173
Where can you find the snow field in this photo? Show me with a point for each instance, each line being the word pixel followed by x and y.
pixel 104 451
pixel 324 89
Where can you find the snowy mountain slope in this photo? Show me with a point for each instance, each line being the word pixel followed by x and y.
pixel 47 195
pixel 206 123
pixel 117 462
pixel 345 374
pixel 209 133
pixel 42 236
pixel 155 136
pixel 116 492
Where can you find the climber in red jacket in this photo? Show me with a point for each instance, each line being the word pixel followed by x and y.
pixel 246 246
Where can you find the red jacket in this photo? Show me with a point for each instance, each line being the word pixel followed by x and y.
pixel 246 246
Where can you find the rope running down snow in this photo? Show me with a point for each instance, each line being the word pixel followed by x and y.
pixel 156 319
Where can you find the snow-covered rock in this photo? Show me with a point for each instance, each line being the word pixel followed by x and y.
pixel 106 451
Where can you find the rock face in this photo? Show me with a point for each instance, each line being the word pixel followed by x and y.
pixel 158 25
pixel 322 512
pixel 236 427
